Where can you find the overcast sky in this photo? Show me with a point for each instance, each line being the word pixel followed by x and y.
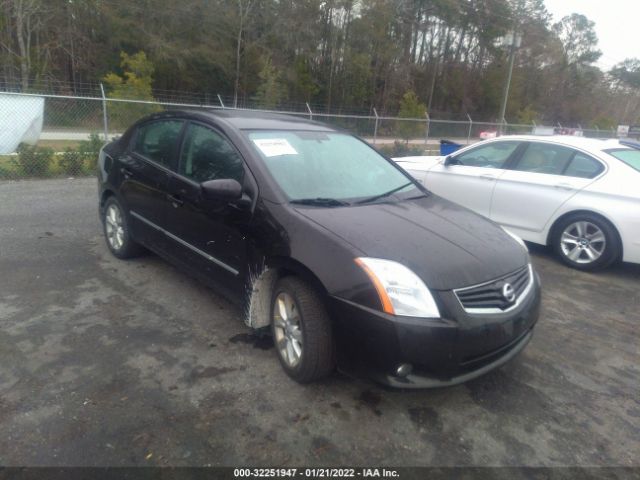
pixel 616 25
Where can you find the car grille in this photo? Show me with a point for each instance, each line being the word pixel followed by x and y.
pixel 491 297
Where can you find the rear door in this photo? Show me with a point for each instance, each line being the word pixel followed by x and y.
pixel 544 177
pixel 208 235
pixel 145 170
pixel 471 178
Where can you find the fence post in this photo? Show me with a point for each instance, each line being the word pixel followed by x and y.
pixel 597 131
pixel 470 125
pixel 309 110
pixel 375 128
pixel 504 126
pixel 104 114
pixel 426 139
pixel 221 102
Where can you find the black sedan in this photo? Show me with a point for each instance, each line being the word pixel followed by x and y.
pixel 323 240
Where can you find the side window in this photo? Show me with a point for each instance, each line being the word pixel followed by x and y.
pixel 206 155
pixel 583 166
pixel 492 155
pixel 545 158
pixel 157 141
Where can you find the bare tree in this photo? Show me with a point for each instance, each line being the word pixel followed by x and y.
pixel 26 16
pixel 244 8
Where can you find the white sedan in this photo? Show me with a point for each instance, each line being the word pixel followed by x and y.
pixel 579 195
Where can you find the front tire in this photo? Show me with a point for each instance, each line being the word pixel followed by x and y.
pixel 302 331
pixel 586 242
pixel 116 231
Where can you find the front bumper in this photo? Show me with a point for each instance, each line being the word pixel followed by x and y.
pixel 442 352
pixel 416 380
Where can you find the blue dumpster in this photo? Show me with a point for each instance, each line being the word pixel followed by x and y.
pixel 447 147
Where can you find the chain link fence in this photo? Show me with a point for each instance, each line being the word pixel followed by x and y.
pixel 74 128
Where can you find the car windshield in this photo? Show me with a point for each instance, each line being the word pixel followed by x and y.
pixel 329 168
pixel 628 156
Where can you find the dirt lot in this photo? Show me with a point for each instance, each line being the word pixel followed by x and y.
pixel 104 362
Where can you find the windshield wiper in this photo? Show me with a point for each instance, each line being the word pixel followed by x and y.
pixel 321 202
pixel 385 194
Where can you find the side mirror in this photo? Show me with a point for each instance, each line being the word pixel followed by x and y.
pixel 449 160
pixel 222 189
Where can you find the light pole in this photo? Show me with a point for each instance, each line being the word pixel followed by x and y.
pixel 515 44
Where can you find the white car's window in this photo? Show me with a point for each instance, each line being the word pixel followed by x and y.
pixel 628 156
pixel 492 155
pixel 583 166
pixel 545 158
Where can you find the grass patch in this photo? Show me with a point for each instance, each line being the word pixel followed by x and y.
pixel 44 160
pixel 59 145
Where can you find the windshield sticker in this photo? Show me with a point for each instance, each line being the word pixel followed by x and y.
pixel 273 147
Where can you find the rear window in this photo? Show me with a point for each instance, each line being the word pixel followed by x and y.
pixel 627 155
pixel 547 158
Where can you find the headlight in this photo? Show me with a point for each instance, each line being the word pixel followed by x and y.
pixel 400 290
pixel 516 238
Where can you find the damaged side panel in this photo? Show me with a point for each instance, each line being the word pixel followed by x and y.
pixel 259 292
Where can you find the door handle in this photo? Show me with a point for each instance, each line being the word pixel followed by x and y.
pixel 564 186
pixel 127 173
pixel 175 201
pixel 487 176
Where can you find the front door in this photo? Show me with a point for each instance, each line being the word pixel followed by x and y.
pixel 470 178
pixel 144 170
pixel 208 235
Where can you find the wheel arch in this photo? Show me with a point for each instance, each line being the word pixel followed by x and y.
pixel 263 281
pixel 105 196
pixel 289 266
pixel 109 192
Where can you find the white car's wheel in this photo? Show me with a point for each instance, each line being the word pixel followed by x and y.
pixel 586 242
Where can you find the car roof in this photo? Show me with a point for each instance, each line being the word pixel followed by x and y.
pixel 585 143
pixel 258 120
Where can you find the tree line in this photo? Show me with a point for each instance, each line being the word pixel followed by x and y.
pixel 337 55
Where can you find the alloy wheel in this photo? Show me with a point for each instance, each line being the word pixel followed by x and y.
pixel 287 329
pixel 114 227
pixel 583 242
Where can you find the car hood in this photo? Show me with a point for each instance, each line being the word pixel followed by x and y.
pixel 446 245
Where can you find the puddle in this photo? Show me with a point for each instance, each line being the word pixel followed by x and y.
pixel 260 340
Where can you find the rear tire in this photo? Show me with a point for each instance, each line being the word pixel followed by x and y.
pixel 302 331
pixel 587 242
pixel 116 231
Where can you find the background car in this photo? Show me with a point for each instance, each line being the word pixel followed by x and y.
pixel 579 195
pixel 487 134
